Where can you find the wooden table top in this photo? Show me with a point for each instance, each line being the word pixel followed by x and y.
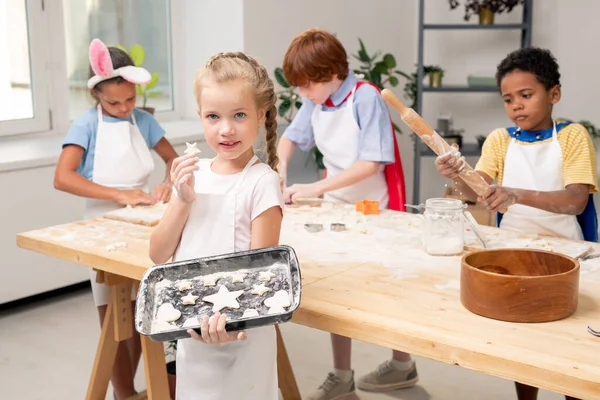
pixel 374 283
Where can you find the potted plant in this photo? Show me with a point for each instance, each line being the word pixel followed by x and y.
pixel 138 55
pixel 435 73
pixel 486 9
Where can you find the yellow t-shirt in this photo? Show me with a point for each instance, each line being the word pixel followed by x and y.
pixel 578 153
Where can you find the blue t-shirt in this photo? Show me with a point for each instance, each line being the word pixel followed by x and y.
pixel 84 128
pixel 376 142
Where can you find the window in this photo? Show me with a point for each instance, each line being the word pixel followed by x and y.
pixel 23 102
pixel 118 22
pixel 44 64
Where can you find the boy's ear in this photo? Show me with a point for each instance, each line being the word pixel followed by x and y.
pixel 555 94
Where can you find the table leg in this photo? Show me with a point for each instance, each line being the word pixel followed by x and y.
pixel 105 358
pixel 285 373
pixel 157 385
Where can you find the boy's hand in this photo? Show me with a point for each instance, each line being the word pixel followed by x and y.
pixel 450 164
pixel 162 192
pixel 182 176
pixel 213 331
pixel 498 198
pixel 300 191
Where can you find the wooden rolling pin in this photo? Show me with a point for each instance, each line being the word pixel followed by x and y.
pixel 434 140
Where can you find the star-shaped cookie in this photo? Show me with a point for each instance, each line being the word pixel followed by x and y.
pixel 266 276
pixel 191 148
pixel 184 285
pixel 224 299
pixel 211 280
pixel 189 299
pixel 260 290
pixel 238 277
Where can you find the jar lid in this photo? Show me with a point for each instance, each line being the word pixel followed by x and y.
pixel 444 203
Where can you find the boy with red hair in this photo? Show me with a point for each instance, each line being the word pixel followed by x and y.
pixel 350 124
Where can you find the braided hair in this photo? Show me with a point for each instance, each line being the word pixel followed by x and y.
pixel 223 67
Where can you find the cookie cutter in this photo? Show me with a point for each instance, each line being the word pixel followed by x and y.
pixel 313 228
pixel 338 227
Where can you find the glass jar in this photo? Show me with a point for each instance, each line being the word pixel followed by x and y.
pixel 443 230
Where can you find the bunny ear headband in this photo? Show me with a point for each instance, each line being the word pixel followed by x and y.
pixel 102 66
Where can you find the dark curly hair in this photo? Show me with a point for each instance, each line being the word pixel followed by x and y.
pixel 539 62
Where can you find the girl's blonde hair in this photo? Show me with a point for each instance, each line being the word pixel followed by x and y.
pixel 224 67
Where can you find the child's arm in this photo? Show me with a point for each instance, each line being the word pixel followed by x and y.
pixel 167 234
pixel 266 228
pixel 285 151
pixel 572 200
pixel 68 180
pixel 162 191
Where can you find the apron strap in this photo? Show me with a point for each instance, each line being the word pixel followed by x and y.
pixel 236 192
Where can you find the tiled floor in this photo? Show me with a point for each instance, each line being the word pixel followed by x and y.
pixel 47 350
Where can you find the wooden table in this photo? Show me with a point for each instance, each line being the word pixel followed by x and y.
pixel 374 283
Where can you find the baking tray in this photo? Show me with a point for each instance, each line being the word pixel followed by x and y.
pixel 153 291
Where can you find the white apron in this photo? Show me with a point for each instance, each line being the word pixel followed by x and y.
pixel 122 160
pixel 245 370
pixel 337 136
pixel 537 167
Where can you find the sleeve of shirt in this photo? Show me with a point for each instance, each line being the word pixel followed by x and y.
pixel 300 130
pixel 267 194
pixel 153 131
pixel 579 158
pixel 80 133
pixel 376 142
pixel 489 162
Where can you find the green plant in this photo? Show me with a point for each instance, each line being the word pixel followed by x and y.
pixel 290 100
pixel 138 55
pixel 472 7
pixel 429 69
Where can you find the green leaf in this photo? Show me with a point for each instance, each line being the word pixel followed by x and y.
pixel 280 77
pixel 120 47
pixel 389 60
pixel 141 89
pixel 362 46
pixel 393 81
pixel 381 67
pixel 298 104
pixel 404 74
pixel 363 56
pixel 153 80
pixel 155 94
pixel 284 107
pixel 376 78
pixel 397 128
pixel 137 54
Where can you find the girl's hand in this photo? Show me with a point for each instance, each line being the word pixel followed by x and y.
pixel 451 164
pixel 134 197
pixel 214 332
pixel 498 198
pixel 162 192
pixel 300 191
pixel 182 176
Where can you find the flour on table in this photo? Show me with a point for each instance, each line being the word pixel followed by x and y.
pixel 452 284
pixel 116 246
pixel 166 312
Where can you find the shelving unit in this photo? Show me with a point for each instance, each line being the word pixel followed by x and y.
pixel 468 149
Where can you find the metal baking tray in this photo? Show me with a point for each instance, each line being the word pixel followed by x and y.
pixel 155 291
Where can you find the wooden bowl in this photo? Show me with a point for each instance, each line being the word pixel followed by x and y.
pixel 519 285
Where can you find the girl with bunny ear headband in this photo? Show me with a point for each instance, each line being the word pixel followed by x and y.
pixel 106 159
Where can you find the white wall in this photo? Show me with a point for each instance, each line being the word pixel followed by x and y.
pixel 391 26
